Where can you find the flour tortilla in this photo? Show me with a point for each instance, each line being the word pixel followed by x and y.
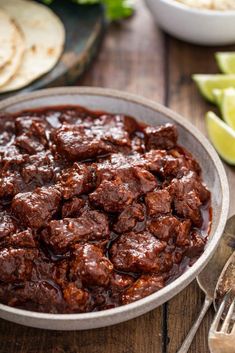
pixel 44 40
pixel 9 69
pixel 7 31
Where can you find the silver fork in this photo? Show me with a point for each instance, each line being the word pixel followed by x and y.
pixel 223 340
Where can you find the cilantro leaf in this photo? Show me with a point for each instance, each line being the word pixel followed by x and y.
pixel 118 9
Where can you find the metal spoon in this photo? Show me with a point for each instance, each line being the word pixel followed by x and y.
pixel 208 278
pixel 226 283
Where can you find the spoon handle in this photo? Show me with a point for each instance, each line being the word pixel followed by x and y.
pixel 189 338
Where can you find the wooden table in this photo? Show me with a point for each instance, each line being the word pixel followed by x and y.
pixel 137 57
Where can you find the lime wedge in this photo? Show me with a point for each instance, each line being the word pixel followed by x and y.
pixel 222 136
pixel 227 106
pixel 226 62
pixel 207 83
pixel 218 96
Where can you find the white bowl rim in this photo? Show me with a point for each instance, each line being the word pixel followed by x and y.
pixel 190 273
pixel 196 11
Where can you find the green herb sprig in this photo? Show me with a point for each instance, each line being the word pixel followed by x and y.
pixel 115 9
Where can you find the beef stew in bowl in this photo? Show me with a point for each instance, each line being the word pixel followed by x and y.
pixel 97 209
pixel 148 113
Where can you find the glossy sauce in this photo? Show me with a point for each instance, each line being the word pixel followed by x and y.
pixel 137 213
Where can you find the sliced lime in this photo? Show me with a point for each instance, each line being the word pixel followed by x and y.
pixel 227 106
pixel 226 62
pixel 222 136
pixel 207 83
pixel 218 96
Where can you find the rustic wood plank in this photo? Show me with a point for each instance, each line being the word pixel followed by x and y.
pixel 183 97
pixel 131 59
pixel 140 335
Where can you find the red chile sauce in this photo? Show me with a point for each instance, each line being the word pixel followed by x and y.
pixel 97 209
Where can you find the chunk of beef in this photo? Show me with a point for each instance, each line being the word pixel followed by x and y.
pixel 196 245
pixel 30 124
pixel 22 239
pixel 41 296
pixel 73 207
pixel 113 129
pixel 11 183
pixel 90 226
pixel 129 217
pixel 188 195
pixel 120 281
pixel 161 137
pixel 183 233
pixel 144 286
pixel 158 202
pixel 162 163
pixel 119 188
pixel 36 208
pixel 7 225
pixel 90 265
pixel 78 143
pixel 169 228
pixel 70 116
pixel 189 207
pixel 173 163
pixel 77 180
pixel 189 182
pixel 186 161
pixel 32 136
pixel 154 160
pixel 23 123
pixel 138 180
pixel 137 252
pixel 170 166
pixel 29 144
pixel 77 299
pixel 92 138
pixel 16 264
pixel 39 169
pixel 124 122
pixel 164 227
pixel 131 169
pixel 120 162
pixel 112 195
pixel 11 158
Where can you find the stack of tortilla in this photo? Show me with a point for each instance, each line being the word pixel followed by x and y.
pixel 31 42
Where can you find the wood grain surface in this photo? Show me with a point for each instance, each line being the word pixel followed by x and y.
pixel 137 57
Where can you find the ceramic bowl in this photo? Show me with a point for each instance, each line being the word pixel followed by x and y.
pixel 206 27
pixel 154 114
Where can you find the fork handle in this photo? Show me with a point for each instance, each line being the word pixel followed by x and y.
pixel 189 338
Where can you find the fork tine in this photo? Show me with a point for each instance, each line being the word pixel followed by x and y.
pixel 228 317
pixel 217 318
pixel 233 328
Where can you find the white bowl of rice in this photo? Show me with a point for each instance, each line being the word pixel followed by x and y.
pixel 205 22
